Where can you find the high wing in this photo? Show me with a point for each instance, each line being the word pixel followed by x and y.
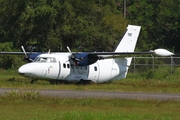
pixel 29 56
pixel 17 53
pixel 87 58
pixel 119 54
pixel 159 52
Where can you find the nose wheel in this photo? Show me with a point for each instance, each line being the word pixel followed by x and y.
pixel 33 81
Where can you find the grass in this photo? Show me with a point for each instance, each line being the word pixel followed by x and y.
pixel 133 82
pixel 86 109
pixel 31 106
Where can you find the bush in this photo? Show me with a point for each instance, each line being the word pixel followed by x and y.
pixel 9 61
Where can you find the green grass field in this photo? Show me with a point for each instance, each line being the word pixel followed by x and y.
pixel 166 83
pixel 16 107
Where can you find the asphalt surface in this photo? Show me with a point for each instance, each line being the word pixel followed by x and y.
pixel 99 94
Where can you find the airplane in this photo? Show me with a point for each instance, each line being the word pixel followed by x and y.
pixel 86 67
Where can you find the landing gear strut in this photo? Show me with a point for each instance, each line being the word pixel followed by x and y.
pixel 84 82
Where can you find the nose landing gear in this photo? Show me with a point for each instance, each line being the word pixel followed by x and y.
pixel 33 81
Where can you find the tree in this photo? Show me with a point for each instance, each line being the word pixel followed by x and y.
pixel 159 21
pixel 96 25
pixel 90 27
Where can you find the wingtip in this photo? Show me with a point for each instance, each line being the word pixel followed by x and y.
pixel 163 52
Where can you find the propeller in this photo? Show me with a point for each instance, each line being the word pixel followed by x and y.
pixel 69 49
pixel 73 56
pixel 22 47
pixel 30 56
pixel 27 58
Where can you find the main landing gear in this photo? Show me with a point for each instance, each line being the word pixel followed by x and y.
pixel 84 82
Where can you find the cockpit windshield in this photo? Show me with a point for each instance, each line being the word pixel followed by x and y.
pixel 45 59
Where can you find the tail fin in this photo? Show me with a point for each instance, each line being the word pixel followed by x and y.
pixel 127 44
pixel 129 40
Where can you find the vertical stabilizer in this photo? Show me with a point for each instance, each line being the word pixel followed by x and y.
pixel 129 40
pixel 127 44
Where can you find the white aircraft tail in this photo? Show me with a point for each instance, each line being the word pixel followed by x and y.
pixel 129 40
pixel 127 44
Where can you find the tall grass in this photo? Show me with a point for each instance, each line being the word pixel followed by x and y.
pixel 23 94
pixel 31 106
pixel 160 80
pixel 87 109
pixel 163 73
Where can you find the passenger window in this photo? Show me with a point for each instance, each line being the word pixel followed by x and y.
pixel 68 66
pixel 64 65
pixel 95 68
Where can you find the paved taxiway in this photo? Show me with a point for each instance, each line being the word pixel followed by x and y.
pixel 100 94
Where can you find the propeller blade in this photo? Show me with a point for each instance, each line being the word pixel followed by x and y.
pixel 22 47
pixel 27 58
pixel 73 57
pixel 69 49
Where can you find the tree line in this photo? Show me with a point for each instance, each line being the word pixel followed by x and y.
pixel 95 25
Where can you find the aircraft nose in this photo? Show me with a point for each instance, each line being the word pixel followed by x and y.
pixel 22 70
pixel 25 69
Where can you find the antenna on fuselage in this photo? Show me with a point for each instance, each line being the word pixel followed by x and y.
pixel 49 51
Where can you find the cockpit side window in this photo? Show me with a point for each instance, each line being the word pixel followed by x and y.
pixel 36 59
pixel 53 59
pixel 45 59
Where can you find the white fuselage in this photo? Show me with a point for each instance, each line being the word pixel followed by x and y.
pixel 66 66
pixel 60 67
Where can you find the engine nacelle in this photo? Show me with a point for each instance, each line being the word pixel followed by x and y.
pixel 84 59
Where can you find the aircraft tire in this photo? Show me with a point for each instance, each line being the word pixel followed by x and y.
pixel 33 81
pixel 84 82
